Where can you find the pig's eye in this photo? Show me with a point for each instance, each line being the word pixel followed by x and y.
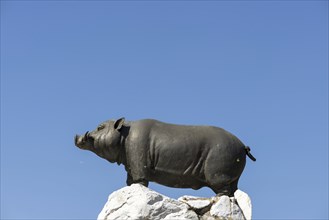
pixel 100 127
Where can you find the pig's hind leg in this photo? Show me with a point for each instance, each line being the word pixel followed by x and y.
pixel 223 185
pixel 227 189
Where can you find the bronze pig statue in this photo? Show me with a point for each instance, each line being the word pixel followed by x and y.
pixel 172 155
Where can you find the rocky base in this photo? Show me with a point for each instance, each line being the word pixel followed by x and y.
pixel 139 202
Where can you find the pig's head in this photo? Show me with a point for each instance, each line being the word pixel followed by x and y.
pixel 105 140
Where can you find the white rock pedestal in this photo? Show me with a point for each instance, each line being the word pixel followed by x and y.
pixel 139 202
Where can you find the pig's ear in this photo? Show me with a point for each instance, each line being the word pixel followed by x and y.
pixel 118 123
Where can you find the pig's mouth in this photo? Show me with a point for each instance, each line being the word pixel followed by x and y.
pixel 84 141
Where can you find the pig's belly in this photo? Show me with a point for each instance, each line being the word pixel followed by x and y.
pixel 176 179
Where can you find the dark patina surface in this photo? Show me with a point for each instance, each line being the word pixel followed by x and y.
pixel 173 155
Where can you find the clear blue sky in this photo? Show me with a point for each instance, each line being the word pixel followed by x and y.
pixel 258 69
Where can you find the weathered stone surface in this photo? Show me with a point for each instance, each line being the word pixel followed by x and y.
pixel 244 202
pixel 195 202
pixel 236 212
pixel 222 208
pixel 139 202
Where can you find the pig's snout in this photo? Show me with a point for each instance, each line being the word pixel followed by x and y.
pixel 80 140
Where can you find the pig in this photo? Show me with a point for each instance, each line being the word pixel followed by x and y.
pixel 179 156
